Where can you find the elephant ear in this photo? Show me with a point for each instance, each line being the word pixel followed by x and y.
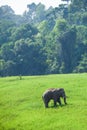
pixel 62 92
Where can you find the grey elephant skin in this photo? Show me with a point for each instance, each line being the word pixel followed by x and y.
pixel 55 94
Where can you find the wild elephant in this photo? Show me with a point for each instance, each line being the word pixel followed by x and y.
pixel 54 94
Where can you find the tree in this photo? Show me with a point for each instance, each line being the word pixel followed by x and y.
pixel 5 31
pixel 68 41
pixel 44 41
pixel 84 19
pixel 6 12
pixel 82 67
pixel 81 4
pixel 23 32
pixel 60 26
pixel 36 13
pixel 7 52
pixel 2 64
pixel 30 58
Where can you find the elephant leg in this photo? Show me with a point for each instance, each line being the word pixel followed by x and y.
pixel 59 101
pixel 54 103
pixel 65 100
pixel 46 103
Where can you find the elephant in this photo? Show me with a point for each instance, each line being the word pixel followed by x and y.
pixel 54 94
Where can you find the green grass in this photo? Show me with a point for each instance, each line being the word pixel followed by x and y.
pixel 22 108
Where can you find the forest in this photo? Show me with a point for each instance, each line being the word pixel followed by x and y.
pixel 44 41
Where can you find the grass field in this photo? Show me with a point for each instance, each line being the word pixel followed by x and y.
pixel 22 108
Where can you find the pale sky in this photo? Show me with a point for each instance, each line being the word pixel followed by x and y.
pixel 19 6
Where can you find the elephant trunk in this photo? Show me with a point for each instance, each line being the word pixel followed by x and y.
pixel 65 99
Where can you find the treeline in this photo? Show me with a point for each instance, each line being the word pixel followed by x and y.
pixel 44 41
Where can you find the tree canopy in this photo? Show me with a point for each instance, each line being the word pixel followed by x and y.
pixel 44 41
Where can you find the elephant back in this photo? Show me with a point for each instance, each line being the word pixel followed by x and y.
pixel 48 94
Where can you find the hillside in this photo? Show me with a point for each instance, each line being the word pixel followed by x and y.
pixel 22 108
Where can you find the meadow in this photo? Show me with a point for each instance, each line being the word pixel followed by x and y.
pixel 22 108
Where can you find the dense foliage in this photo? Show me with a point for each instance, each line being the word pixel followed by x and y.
pixel 44 41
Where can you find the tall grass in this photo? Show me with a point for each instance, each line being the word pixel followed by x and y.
pixel 22 108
